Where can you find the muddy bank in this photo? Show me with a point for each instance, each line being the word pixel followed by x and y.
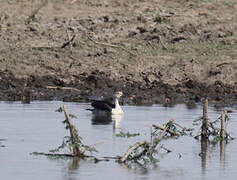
pixel 139 88
pixel 69 50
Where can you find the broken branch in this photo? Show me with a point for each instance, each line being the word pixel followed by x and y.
pixel 130 150
pixel 33 13
pixel 63 88
pixel 112 45
pixel 172 133
pixel 69 41
pixel 73 134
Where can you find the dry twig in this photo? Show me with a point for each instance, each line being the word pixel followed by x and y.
pixel 147 149
pixel 69 41
pixel 34 12
pixel 112 45
pixel 63 88
pixel 171 132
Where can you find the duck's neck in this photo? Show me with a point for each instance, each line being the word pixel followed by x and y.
pixel 117 109
pixel 117 106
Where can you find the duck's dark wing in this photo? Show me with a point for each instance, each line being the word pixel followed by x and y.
pixel 103 105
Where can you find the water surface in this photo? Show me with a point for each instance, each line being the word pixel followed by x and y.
pixel 37 127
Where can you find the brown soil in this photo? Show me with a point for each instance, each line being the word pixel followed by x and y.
pixel 154 51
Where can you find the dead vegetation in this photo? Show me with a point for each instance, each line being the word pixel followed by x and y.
pixel 146 153
pixel 127 134
pixel 173 129
pixel 2 145
pixel 210 130
pixel 143 153
pixel 73 142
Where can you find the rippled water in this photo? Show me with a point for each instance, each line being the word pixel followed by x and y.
pixel 25 128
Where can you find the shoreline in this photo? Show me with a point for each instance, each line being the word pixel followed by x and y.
pixel 135 94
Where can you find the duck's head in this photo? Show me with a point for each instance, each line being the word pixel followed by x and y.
pixel 118 94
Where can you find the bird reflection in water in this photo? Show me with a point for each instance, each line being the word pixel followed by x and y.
pixel 117 118
pixel 101 119
pixel 107 118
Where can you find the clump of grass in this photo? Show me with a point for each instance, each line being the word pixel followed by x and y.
pixel 160 19
pixel 201 50
pixel 127 134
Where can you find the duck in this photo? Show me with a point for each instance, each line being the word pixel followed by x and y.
pixel 108 105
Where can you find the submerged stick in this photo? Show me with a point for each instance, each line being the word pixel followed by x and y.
pixel 172 133
pixel 130 150
pixel 73 142
pixel 52 154
pixel 164 130
pixel 148 148
pixel 166 149
pixel 73 134
pixel 223 125
pixel 222 150
pixel 204 132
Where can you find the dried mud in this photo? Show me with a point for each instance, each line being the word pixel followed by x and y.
pixel 154 51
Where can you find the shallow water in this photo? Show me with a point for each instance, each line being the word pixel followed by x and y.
pixel 37 127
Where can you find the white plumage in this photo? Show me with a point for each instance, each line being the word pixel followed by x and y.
pixel 107 105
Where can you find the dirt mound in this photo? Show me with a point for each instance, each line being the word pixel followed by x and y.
pixel 155 52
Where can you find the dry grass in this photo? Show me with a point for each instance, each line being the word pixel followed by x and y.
pixel 196 50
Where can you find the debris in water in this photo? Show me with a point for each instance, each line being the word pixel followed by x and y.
pixel 73 142
pixel 173 129
pixel 209 129
pixel 143 152
pixel 127 134
pixel 0 142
